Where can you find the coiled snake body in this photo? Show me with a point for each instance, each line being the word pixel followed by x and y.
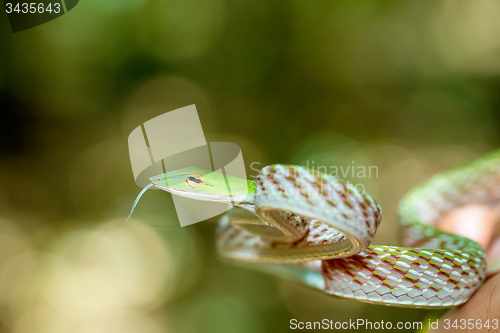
pixel 317 230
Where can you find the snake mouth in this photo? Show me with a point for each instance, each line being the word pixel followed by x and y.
pixel 196 195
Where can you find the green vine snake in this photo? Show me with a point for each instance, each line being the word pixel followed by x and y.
pixel 315 229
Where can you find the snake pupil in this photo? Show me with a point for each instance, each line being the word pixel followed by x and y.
pixel 195 180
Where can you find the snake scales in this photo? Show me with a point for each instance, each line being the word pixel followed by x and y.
pixel 315 229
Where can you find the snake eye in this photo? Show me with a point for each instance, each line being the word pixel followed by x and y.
pixel 195 180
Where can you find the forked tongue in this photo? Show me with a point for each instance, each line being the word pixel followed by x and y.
pixel 137 200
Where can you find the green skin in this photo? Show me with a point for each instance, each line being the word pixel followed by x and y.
pixel 239 191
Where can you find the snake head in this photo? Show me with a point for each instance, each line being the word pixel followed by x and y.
pixel 201 184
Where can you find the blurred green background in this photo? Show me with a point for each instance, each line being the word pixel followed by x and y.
pixel 411 87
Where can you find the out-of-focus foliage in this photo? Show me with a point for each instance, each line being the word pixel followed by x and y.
pixel 407 87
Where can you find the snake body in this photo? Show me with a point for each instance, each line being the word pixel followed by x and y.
pixel 317 230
